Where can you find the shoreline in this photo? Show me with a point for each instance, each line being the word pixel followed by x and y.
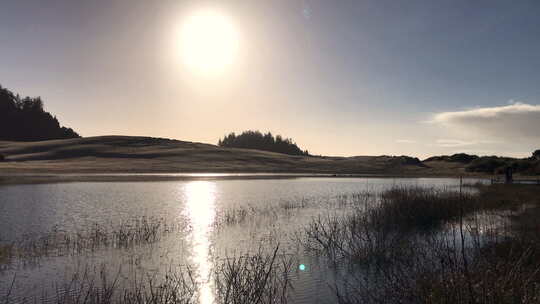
pixel 51 178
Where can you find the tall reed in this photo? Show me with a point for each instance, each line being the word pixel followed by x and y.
pixel 429 246
pixel 258 278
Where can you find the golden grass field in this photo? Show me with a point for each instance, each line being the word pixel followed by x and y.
pixel 129 154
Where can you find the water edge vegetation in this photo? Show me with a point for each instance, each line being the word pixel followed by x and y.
pixel 404 245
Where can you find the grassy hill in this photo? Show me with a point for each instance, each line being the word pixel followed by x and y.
pixel 529 166
pixel 126 154
pixel 130 154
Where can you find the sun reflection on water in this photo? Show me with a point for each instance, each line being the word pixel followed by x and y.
pixel 200 210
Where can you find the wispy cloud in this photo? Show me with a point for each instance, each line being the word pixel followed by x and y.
pixel 515 108
pixel 406 141
pixel 511 122
pixel 453 143
pixel 462 143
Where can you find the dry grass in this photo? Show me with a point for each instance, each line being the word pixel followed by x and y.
pixel 125 154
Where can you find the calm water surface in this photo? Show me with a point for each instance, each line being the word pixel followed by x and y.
pixel 199 208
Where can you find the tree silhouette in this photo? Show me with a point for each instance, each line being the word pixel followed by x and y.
pixel 24 119
pixel 257 140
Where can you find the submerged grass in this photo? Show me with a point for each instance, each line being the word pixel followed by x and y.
pixel 238 215
pixel 137 231
pixel 6 253
pixel 258 278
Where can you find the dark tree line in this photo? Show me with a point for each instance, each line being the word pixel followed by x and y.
pixel 260 141
pixel 23 119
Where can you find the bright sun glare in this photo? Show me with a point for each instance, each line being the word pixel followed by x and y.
pixel 208 42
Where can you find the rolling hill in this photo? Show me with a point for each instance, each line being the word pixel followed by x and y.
pixel 128 154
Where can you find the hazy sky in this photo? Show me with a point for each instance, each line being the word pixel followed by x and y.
pixel 339 77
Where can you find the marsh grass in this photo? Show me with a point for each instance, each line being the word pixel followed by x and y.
pixel 98 286
pixel 261 277
pixel 30 248
pixel 289 204
pixel 438 271
pixel 420 209
pixel 234 216
pixel 425 246
pixel 378 223
pixel 6 254
pixel 238 215
pixel 405 245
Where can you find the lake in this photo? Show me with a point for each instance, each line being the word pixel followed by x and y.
pixel 206 221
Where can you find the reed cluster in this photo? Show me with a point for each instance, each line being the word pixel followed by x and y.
pixel 136 231
pixel 418 245
pixel 258 278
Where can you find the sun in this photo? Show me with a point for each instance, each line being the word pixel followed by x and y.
pixel 208 42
